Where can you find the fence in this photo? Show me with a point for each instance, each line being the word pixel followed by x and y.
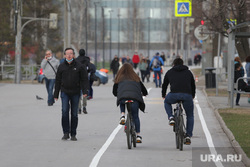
pixel 29 72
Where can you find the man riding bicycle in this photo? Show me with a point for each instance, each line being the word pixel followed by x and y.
pixel 182 88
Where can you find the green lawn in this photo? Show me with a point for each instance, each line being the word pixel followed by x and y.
pixel 239 124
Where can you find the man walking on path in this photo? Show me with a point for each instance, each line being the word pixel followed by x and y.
pixel 49 65
pixel 85 60
pixel 156 64
pixel 71 79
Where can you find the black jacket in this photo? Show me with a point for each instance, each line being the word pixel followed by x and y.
pixel 130 90
pixel 181 80
pixel 84 60
pixel 115 65
pixel 242 85
pixel 71 79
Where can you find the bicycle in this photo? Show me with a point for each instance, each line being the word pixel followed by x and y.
pixel 179 126
pixel 130 126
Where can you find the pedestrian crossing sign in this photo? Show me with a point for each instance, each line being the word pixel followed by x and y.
pixel 183 8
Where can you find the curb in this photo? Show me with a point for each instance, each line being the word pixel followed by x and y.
pixel 234 143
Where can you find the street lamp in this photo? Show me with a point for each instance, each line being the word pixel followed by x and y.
pixel 103 39
pixel 110 46
pixel 119 34
pixel 86 23
pixel 95 36
pixel 148 36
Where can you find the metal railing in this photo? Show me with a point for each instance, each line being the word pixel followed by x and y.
pixel 28 72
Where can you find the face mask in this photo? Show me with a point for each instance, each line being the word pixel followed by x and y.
pixel 49 58
pixel 69 60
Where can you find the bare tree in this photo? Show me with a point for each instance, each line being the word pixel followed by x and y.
pixel 219 15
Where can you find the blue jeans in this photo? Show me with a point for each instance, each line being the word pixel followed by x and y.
pixel 188 106
pixel 69 101
pixel 135 113
pixel 50 86
pixel 156 80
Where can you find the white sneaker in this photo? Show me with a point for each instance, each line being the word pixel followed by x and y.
pixel 138 139
pixel 171 121
pixel 122 120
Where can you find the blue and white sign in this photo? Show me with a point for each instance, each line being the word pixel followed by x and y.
pixel 183 8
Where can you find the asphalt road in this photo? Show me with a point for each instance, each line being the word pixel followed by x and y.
pixel 31 133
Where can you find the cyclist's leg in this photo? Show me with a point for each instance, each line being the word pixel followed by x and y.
pixel 122 106
pixel 170 99
pixel 122 109
pixel 135 115
pixel 188 106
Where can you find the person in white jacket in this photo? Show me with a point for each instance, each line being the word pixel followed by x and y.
pixel 49 65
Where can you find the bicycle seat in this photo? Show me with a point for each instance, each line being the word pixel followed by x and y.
pixel 129 101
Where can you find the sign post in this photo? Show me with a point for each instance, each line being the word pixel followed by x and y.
pixel 183 8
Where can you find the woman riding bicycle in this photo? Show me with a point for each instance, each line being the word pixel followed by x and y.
pixel 128 86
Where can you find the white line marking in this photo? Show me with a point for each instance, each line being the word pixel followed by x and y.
pixel 207 133
pixel 99 154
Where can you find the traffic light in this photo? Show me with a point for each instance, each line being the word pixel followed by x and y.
pixel 202 22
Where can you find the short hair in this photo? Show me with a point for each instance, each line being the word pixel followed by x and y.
pixel 69 49
pixel 177 61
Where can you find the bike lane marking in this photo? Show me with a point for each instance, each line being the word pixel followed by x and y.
pixel 102 150
pixel 207 132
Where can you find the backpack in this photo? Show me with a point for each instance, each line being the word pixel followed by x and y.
pixel 156 62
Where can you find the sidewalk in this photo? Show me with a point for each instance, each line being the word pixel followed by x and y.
pixel 220 102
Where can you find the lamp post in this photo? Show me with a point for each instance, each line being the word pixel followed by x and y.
pixel 95 36
pixel 119 34
pixel 86 23
pixel 110 46
pixel 103 39
pixel 148 36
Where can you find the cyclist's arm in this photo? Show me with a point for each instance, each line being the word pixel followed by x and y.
pixel 143 89
pixel 164 86
pixel 193 87
pixel 115 86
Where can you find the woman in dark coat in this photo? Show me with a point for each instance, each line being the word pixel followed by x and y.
pixel 128 86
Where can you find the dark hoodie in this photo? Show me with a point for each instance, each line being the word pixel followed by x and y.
pixel 181 80
pixel 84 59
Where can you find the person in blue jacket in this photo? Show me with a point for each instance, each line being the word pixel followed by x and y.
pixel 155 65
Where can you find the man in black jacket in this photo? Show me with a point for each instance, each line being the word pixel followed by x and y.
pixel 71 79
pixel 85 60
pixel 182 87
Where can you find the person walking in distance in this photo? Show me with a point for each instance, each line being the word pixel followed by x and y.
pixel 182 87
pixel 156 64
pixel 71 79
pixel 127 86
pixel 85 60
pixel 114 66
pixel 49 65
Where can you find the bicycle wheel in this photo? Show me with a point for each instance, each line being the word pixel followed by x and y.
pixel 176 132
pixel 133 135
pixel 128 132
pixel 181 132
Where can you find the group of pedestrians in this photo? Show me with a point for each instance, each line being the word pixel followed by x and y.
pixel 71 80
pixel 73 77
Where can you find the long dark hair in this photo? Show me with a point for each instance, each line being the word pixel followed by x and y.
pixel 126 73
